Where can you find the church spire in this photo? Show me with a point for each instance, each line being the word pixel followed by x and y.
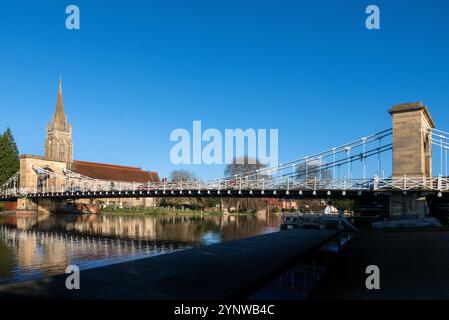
pixel 58 141
pixel 59 118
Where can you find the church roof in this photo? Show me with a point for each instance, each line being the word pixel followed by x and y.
pixel 114 172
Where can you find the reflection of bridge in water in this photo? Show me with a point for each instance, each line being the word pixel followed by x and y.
pixel 45 245
pixel 79 240
pixel 37 252
pixel 185 228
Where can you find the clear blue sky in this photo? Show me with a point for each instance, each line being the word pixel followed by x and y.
pixel 139 69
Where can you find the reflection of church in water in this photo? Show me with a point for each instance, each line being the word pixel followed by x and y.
pixel 58 158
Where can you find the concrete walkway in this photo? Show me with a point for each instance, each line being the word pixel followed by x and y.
pixel 228 270
pixel 413 265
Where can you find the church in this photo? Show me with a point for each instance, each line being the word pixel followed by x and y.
pixel 59 157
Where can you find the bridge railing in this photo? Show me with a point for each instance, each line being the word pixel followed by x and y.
pixel 438 184
pixel 239 184
pixel 404 184
pixel 441 183
pixel 412 184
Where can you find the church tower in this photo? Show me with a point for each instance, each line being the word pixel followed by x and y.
pixel 58 142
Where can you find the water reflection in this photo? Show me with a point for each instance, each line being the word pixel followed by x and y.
pixel 36 246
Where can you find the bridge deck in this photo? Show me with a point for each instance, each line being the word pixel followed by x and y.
pixel 214 193
pixel 228 270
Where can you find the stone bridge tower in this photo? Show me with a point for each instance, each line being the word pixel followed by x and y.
pixel 412 154
pixel 412 147
pixel 58 142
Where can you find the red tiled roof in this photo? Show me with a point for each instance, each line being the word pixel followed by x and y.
pixel 114 172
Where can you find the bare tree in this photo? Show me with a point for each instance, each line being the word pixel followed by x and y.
pixel 313 169
pixel 182 175
pixel 242 165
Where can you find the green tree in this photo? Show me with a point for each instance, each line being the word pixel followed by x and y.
pixel 9 156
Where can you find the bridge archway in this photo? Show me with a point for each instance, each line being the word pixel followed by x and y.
pixel 38 174
pixel 45 182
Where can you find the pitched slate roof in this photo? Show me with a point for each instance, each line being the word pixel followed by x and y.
pixel 114 172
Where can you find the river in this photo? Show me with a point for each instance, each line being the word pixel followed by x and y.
pixel 36 246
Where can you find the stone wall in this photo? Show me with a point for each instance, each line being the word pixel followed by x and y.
pixel 28 177
pixel 412 150
pixel 412 155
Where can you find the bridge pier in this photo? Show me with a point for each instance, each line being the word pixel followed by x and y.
pixel 46 205
pixel 407 204
pixel 412 155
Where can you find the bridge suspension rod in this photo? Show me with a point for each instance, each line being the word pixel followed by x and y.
pixel 324 154
pixel 327 166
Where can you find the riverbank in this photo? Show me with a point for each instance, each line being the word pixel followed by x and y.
pixel 413 264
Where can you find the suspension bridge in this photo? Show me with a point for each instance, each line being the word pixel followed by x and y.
pixel 409 152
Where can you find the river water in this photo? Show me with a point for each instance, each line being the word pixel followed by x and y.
pixel 32 247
